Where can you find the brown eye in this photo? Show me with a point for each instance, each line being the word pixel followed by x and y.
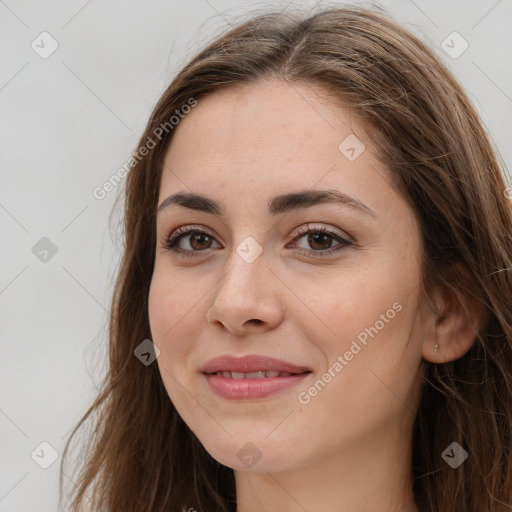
pixel 189 240
pixel 320 240
pixel 199 241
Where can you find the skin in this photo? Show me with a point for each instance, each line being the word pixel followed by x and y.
pixel 348 448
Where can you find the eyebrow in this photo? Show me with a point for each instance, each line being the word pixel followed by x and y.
pixel 276 205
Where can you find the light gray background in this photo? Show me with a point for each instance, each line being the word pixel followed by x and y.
pixel 68 123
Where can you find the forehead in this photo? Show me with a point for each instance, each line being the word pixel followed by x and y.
pixel 262 138
pixel 277 117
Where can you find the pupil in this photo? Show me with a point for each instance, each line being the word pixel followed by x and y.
pixel 319 238
pixel 198 236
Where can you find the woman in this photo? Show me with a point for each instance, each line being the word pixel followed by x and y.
pixel 313 311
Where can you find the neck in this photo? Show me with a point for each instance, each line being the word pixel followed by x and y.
pixel 372 475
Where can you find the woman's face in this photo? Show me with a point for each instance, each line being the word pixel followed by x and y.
pixel 340 311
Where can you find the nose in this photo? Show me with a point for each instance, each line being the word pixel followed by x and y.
pixel 246 299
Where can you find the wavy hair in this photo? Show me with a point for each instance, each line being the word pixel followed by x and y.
pixel 140 456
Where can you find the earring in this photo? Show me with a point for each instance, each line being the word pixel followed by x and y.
pixel 436 347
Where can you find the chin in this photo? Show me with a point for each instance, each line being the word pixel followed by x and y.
pixel 258 455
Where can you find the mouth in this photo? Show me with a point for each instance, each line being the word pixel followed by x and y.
pixel 252 365
pixel 262 374
pixel 251 377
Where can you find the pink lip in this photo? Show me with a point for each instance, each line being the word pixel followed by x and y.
pixel 247 389
pixel 252 363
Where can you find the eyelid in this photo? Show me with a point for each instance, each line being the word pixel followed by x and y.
pixel 310 226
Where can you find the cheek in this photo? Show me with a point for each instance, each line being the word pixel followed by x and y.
pixel 341 307
pixel 171 300
pixel 367 315
pixel 176 309
pixel 161 308
pixel 167 310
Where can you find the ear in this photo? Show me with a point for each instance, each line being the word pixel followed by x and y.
pixel 453 327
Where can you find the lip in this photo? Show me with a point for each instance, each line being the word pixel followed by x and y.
pixel 250 363
pixel 249 389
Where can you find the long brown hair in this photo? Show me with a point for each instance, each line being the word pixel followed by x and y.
pixel 140 456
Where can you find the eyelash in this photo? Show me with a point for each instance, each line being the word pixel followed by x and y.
pixel 169 243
